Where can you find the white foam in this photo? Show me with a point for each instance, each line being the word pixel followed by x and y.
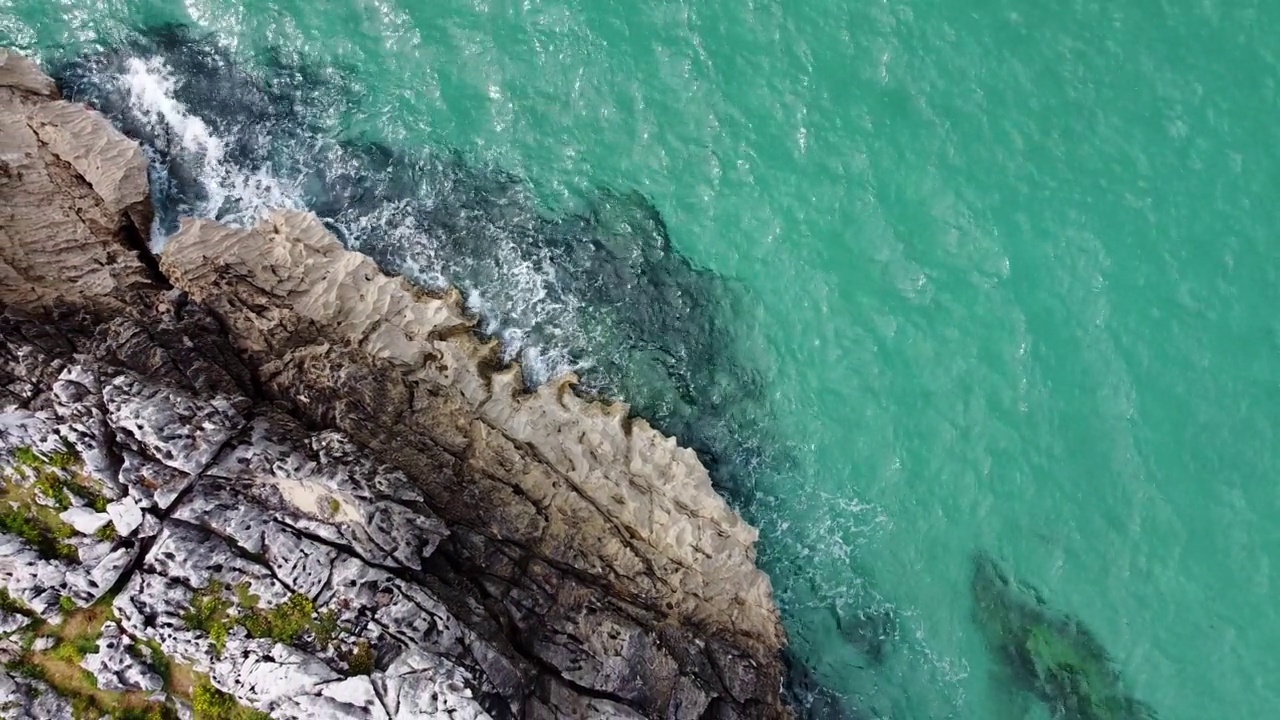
pixel 517 296
pixel 235 195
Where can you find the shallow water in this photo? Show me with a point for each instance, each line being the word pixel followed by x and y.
pixel 919 279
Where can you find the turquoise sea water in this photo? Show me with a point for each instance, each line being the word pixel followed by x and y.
pixel 945 277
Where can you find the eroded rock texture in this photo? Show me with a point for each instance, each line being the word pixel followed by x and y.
pixel 287 421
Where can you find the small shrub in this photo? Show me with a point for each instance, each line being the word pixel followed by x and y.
pixel 84 708
pixel 210 703
pixel 244 597
pixel 87 644
pixel 67 604
pixel 284 623
pixel 67 652
pixel 99 504
pixel 334 506
pixel 26 457
pixel 159 661
pixel 107 533
pixel 208 608
pixel 25 667
pixel 10 604
pixel 360 659
pixel 33 531
pixel 218 634
pixel 326 628
pixel 50 485
pixel 64 460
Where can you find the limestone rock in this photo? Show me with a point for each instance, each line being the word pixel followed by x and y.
pixel 611 486
pixel 19 73
pixel 84 520
pixel 12 622
pixel 71 179
pixel 126 515
pixel 34 581
pixel 26 699
pixel 118 669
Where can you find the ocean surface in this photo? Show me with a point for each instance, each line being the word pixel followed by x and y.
pixel 921 281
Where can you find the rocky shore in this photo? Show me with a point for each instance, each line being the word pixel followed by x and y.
pixel 258 475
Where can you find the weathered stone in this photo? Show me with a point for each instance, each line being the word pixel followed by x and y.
pixel 19 73
pixel 29 578
pixel 26 699
pixel 116 668
pixel 84 520
pixel 126 515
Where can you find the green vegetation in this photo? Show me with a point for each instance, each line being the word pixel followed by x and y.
pixel 208 608
pixel 244 597
pixel 67 652
pixel 10 604
pixel 326 628
pixel 59 667
pixel 107 533
pixel 67 604
pixel 77 637
pixel 284 623
pixel 27 668
pixel 47 536
pixel 159 661
pixel 210 703
pixel 335 506
pixel 1050 654
pixel 360 659
pixel 55 477
pixel 215 613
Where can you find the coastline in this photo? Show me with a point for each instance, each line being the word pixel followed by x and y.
pixel 516 554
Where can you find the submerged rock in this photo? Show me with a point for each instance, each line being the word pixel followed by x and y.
pixel 327 493
pixel 1051 654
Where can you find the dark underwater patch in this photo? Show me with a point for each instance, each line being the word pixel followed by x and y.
pixel 1049 654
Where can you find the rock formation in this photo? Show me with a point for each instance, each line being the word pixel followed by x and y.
pixel 1050 655
pixel 314 489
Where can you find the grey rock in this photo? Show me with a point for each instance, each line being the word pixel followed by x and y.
pixel 26 699
pixel 44 642
pixel 150 483
pixel 12 622
pixel 29 578
pixel 126 515
pixel 85 520
pixel 10 650
pixel 180 431
pixel 422 685
pixel 87 584
pixel 150 526
pixel 116 668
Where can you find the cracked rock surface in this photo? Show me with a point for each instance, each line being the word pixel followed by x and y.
pixel 274 425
